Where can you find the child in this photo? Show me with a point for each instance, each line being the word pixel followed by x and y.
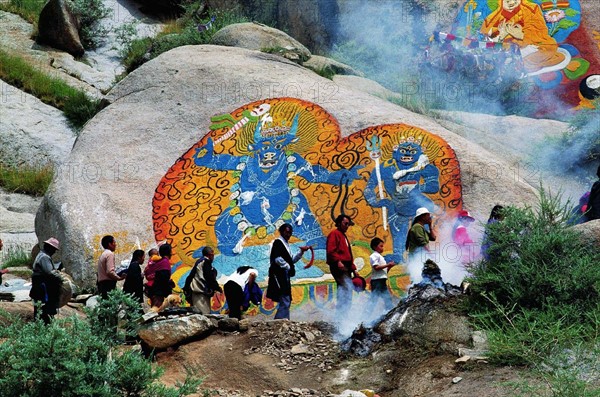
pixel 379 274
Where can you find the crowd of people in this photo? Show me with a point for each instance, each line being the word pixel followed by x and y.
pixel 240 288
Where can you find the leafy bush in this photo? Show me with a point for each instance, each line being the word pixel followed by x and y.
pixel 184 31
pixel 74 357
pixel 539 290
pixel 89 13
pixel 579 145
pixel 26 179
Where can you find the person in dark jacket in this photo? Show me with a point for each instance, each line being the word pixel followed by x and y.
pixel 282 267
pixel 593 205
pixel 134 281
pixel 46 282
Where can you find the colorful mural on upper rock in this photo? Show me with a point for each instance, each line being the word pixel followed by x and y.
pixel 539 41
pixel 283 160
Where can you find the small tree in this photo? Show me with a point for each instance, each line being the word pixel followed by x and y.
pixel 539 291
pixel 537 296
pixel 75 357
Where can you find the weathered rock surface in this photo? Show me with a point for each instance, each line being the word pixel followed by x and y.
pixel 425 317
pixel 58 27
pixel 521 141
pixel 365 85
pixel 33 133
pixel 322 16
pixel 160 110
pixel 15 38
pixel 255 36
pixel 170 332
pixel 318 63
pixel 590 232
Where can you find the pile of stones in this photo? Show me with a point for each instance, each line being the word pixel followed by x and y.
pixel 296 344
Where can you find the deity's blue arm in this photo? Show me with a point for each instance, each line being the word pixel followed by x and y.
pixel 205 157
pixel 431 182
pixel 371 195
pixel 319 174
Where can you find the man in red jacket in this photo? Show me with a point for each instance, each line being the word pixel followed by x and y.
pixel 341 263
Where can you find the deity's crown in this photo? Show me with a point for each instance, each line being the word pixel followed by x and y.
pixel 410 139
pixel 275 130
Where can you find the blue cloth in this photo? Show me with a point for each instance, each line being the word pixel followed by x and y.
pixel 252 294
pixel 283 310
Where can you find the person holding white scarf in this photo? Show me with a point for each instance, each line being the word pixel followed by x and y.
pixel 282 268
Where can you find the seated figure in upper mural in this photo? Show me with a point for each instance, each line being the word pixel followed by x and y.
pixel 522 23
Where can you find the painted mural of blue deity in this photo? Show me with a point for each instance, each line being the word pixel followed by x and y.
pixel 265 194
pixel 406 178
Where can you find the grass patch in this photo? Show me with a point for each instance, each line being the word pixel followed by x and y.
pixel 25 179
pixel 190 29
pixel 78 107
pixel 29 10
pixel 16 257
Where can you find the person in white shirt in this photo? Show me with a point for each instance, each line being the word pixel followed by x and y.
pixel 234 289
pixel 379 276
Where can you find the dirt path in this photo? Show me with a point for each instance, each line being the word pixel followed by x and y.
pixel 239 364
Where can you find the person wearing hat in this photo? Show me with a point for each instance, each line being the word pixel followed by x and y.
pixel 460 236
pixel 46 282
pixel 421 232
pixel 341 262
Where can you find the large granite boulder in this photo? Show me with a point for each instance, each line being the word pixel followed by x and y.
pixel 162 109
pixel 58 27
pixel 428 316
pixel 319 64
pixel 255 36
pixel 170 332
pixel 590 232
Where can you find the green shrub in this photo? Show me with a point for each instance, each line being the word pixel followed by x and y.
pixel 79 108
pixel 180 33
pixel 32 180
pixel 73 357
pixel 27 9
pixel 579 145
pixel 16 257
pixel 568 373
pixel 539 290
pixel 89 13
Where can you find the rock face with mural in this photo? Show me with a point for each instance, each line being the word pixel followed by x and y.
pixel 283 160
pixel 541 44
pixel 218 146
